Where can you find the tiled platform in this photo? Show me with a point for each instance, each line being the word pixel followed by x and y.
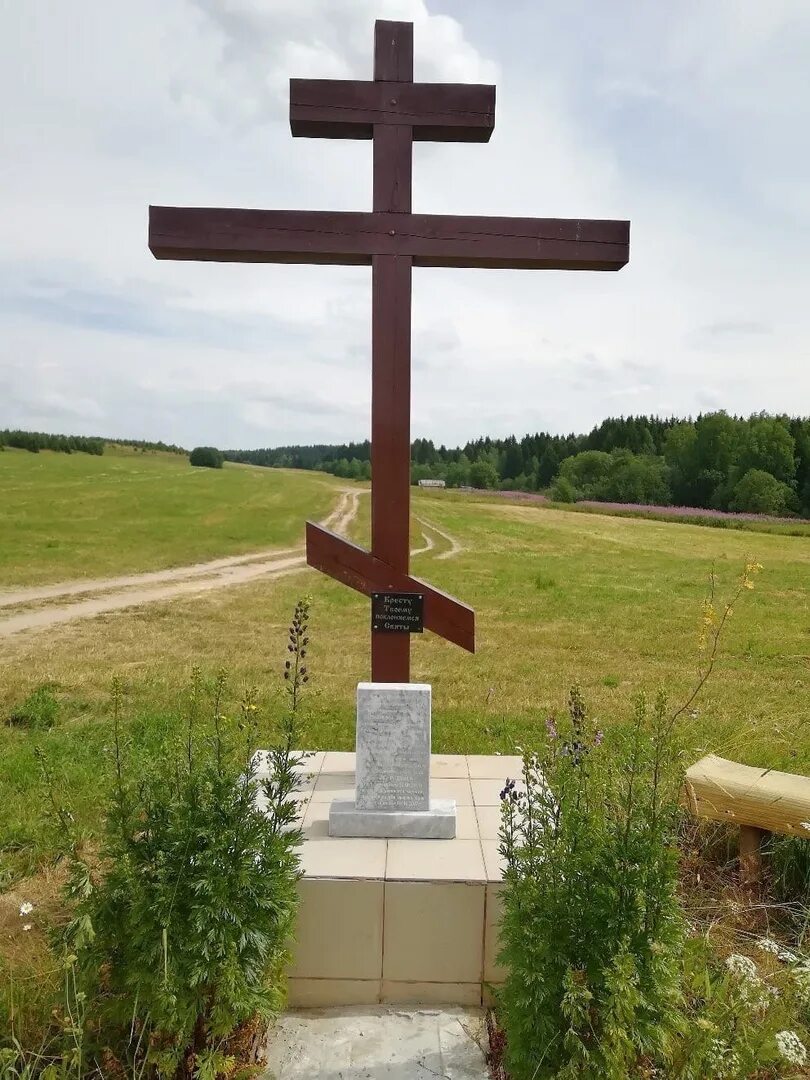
pixel 400 921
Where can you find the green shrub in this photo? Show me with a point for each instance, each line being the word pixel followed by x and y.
pixel 483 474
pixel 592 929
pixel 39 710
pixel 179 934
pixel 602 979
pixel 618 476
pixel 757 492
pixel 562 490
pixel 206 456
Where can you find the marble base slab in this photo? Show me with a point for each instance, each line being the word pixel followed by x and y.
pixel 437 823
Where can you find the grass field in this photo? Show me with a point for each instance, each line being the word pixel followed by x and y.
pixel 612 602
pixel 65 516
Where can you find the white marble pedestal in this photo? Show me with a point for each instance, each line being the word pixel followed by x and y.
pixel 436 823
pixel 393 769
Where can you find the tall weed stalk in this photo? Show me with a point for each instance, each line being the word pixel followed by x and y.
pixel 180 924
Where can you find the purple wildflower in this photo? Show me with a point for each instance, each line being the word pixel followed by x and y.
pixel 508 793
pixel 694 512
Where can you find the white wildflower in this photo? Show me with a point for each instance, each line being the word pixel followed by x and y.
pixel 26 909
pixel 749 987
pixel 768 945
pixel 742 966
pixel 722 1060
pixel 791 1047
pixel 27 926
pixel 805 825
pixel 801 975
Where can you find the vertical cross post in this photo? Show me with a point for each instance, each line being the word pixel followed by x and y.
pixel 393 111
pixel 391 349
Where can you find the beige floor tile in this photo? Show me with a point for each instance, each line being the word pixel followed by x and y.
pixel 311 766
pixel 451 788
pixel 435 860
pixel 485 792
pixel 466 823
pixel 434 932
pixel 489 821
pixel 306 785
pixel 493 860
pixel 330 786
pixel 344 857
pixel 338 761
pixel 427 993
pixel 449 766
pixel 494 766
pixel 316 821
pixel 493 972
pixel 339 930
pixel 326 993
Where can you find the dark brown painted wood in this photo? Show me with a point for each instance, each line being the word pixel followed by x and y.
pixel 393 51
pixel 390 441
pixel 359 569
pixel 393 111
pixel 391 350
pixel 438 112
pixel 393 162
pixel 344 238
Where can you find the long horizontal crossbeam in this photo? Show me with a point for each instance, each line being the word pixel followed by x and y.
pixel 353 239
pixel 358 568
pixel 437 112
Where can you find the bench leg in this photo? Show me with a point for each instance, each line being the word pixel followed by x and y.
pixel 751 840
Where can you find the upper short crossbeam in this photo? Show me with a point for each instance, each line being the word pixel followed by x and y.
pixel 437 112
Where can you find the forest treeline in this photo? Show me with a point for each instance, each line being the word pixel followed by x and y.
pixel 34 441
pixel 758 464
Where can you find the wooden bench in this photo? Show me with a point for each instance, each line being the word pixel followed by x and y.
pixel 759 801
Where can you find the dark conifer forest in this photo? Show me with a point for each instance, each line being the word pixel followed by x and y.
pixel 755 464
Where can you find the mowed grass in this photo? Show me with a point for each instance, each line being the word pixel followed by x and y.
pixel 66 516
pixel 613 603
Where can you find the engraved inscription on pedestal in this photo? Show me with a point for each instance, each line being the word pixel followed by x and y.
pixel 393 746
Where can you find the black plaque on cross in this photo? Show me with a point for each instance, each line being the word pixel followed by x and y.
pixel 397 613
pixel 393 111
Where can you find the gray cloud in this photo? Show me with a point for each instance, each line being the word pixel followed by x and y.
pixel 683 120
pixel 734 327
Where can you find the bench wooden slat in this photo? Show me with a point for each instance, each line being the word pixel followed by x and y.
pixel 723 790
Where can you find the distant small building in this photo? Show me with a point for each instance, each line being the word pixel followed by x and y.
pixel 432 483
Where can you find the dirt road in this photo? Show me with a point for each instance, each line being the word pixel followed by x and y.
pixel 133 590
pixel 115 594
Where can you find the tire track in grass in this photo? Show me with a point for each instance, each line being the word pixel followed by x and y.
pixel 455 547
pixel 136 590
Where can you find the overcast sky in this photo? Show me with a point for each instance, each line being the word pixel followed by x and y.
pixel 691 119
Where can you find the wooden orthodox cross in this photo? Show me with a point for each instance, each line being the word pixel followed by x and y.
pixel 393 111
